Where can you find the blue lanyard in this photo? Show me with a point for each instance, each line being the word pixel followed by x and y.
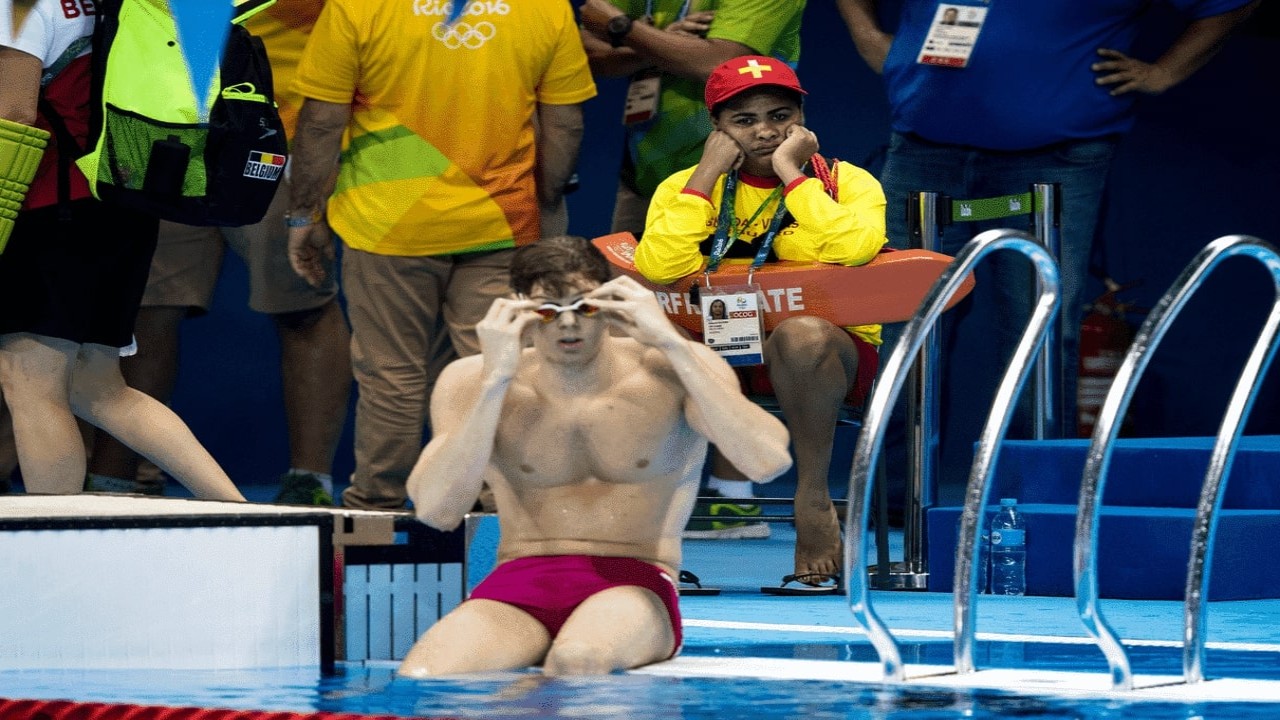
pixel 684 9
pixel 727 224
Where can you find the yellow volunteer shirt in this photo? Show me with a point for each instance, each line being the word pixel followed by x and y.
pixel 439 155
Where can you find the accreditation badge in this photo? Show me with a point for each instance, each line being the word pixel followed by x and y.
pixel 733 323
pixel 642 98
pixel 952 35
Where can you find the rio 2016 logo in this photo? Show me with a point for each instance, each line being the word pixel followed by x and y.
pixel 463 35
pixel 475 7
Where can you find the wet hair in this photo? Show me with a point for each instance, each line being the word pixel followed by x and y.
pixel 737 100
pixel 554 263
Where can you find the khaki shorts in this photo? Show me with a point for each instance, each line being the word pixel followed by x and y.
pixel 184 270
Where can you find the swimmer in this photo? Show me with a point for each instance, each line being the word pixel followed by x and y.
pixel 593 443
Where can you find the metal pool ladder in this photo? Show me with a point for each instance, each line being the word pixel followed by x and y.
pixel 1223 453
pixel 887 387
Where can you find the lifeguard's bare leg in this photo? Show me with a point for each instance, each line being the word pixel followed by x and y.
pixel 812 364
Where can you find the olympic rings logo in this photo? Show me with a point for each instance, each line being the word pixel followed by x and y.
pixel 464 35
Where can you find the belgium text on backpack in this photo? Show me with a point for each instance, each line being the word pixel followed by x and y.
pixel 155 148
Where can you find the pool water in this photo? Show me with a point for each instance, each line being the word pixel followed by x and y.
pixel 374 689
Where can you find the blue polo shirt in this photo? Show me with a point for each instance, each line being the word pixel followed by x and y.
pixel 1028 82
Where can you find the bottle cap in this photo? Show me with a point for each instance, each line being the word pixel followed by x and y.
pixel 1005 502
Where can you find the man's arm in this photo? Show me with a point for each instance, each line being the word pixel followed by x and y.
pixel 752 439
pixel 560 130
pixel 312 163
pixel 465 408
pixel 864 27
pixel 21 87
pixel 1189 52
pixel 677 53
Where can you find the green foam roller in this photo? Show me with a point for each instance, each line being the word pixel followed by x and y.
pixel 21 147
pixel 26 134
pixel 6 228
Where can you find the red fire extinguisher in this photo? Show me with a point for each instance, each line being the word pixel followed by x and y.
pixel 1105 336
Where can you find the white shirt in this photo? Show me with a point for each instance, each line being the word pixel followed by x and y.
pixel 51 26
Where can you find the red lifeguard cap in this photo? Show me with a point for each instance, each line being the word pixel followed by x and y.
pixel 747 71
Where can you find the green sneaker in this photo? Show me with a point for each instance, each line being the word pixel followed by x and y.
pixel 735 526
pixel 302 489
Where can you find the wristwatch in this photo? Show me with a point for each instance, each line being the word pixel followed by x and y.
pixel 618 27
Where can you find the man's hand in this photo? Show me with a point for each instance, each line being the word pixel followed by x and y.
pixel 501 335
pixel 634 309
pixel 1125 74
pixel 695 23
pixel 311 252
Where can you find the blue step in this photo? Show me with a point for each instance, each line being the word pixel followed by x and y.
pixel 1144 533
pixel 1144 472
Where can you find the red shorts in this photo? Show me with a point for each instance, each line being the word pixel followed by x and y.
pixel 754 379
pixel 551 587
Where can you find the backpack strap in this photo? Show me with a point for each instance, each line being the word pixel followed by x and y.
pixel 68 150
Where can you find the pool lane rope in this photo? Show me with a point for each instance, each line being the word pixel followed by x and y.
pixel 68 710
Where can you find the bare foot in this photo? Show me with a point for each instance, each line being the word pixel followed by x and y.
pixel 818 547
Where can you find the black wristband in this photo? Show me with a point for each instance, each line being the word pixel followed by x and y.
pixel 617 29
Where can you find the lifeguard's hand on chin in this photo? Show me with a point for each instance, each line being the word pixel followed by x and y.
pixel 501 336
pixel 796 149
pixel 634 309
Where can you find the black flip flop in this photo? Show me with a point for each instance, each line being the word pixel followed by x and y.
pixel 690 585
pixel 809 584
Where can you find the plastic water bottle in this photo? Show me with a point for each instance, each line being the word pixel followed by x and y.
pixel 984 552
pixel 1008 550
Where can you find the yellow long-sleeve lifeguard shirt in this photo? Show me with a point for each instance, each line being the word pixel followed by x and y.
pixel 848 232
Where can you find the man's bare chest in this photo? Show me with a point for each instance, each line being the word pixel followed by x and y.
pixel 623 437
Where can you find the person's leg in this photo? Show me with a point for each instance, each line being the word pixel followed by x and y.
pixel 477 636
pixel 812 364
pixel 8 450
pixel 315 352
pixel 315 359
pixel 396 322
pixel 180 283
pixel 1080 168
pixel 615 629
pixel 99 394
pixel 153 370
pixel 477 280
pixel 35 372
pixel 914 166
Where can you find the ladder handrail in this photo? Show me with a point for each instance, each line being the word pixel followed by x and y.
pixel 1206 523
pixel 1098 457
pixel 889 384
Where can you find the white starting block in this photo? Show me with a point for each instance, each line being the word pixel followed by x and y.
pixel 109 581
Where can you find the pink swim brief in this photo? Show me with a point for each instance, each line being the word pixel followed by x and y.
pixel 551 587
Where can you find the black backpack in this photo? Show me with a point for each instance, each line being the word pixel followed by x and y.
pixel 153 149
